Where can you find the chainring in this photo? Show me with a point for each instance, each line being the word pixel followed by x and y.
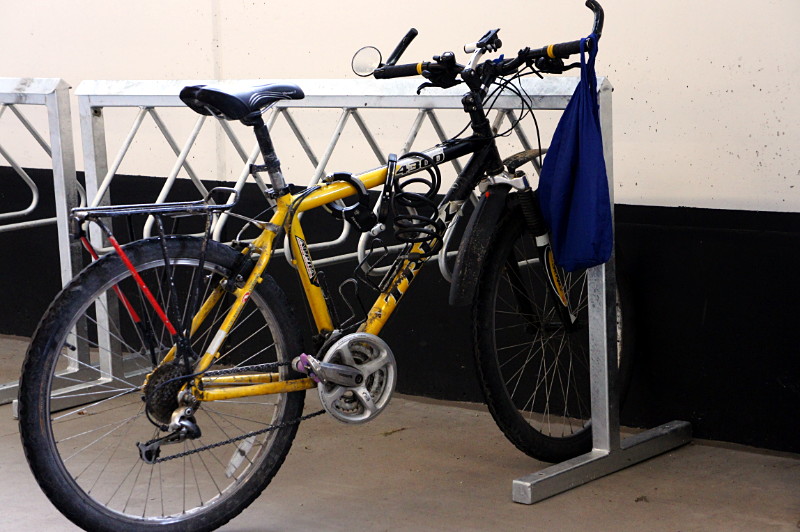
pixel 372 357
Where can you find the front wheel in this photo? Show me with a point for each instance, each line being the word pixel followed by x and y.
pixel 83 408
pixel 534 369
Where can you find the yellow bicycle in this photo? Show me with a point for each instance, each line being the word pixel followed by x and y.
pixel 166 382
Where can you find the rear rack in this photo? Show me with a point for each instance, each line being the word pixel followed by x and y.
pixel 204 206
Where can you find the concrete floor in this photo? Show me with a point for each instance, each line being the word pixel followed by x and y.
pixel 432 465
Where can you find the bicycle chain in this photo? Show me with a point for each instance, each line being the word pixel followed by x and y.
pixel 258 367
pixel 237 438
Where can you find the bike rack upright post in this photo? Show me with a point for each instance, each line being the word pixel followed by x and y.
pixel 52 93
pixel 609 453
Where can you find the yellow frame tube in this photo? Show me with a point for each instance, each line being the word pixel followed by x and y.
pixel 237 392
pixel 387 302
pixel 327 193
pixel 308 277
pixel 264 242
pixel 227 380
pixel 340 190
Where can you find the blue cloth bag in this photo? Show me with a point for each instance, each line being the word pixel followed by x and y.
pixel 573 188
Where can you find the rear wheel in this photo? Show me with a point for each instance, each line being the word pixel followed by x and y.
pixel 533 368
pixel 83 408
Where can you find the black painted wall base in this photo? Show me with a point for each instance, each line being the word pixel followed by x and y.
pixel 716 293
pixel 717 297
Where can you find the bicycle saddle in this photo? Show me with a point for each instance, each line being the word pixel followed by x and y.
pixel 232 103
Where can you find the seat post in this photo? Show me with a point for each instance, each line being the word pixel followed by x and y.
pixel 271 161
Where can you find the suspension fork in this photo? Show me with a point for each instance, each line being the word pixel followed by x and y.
pixel 534 220
pixel 555 282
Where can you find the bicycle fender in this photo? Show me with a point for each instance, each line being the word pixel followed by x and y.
pixel 474 243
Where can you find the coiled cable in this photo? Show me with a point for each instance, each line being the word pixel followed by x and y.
pixel 416 218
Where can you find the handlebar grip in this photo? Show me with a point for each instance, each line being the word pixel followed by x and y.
pixel 564 49
pixel 398 71
pixel 559 51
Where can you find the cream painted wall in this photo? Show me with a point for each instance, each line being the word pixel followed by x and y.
pixel 704 113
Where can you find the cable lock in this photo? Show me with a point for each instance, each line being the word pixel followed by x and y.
pixel 416 218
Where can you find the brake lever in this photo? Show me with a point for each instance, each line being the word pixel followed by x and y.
pixel 445 75
pixel 425 85
pixel 553 65
pixel 441 83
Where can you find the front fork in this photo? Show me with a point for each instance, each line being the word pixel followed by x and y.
pixel 538 228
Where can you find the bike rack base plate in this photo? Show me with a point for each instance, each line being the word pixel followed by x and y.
pixel 598 463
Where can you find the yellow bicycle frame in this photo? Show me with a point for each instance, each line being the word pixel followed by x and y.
pixel 216 388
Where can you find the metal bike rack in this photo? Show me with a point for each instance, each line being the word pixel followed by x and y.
pixel 354 98
pixel 53 94
pixel 610 453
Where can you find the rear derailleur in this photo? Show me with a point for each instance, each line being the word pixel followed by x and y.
pixel 182 427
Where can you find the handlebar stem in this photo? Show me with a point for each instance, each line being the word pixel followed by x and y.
pixel 475 59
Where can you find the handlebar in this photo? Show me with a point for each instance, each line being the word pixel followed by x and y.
pixel 554 52
pixel 566 49
pixel 599 16
pixel 399 71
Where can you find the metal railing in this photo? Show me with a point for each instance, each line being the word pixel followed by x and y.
pixel 353 98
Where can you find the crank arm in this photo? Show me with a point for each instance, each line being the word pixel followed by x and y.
pixel 326 372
